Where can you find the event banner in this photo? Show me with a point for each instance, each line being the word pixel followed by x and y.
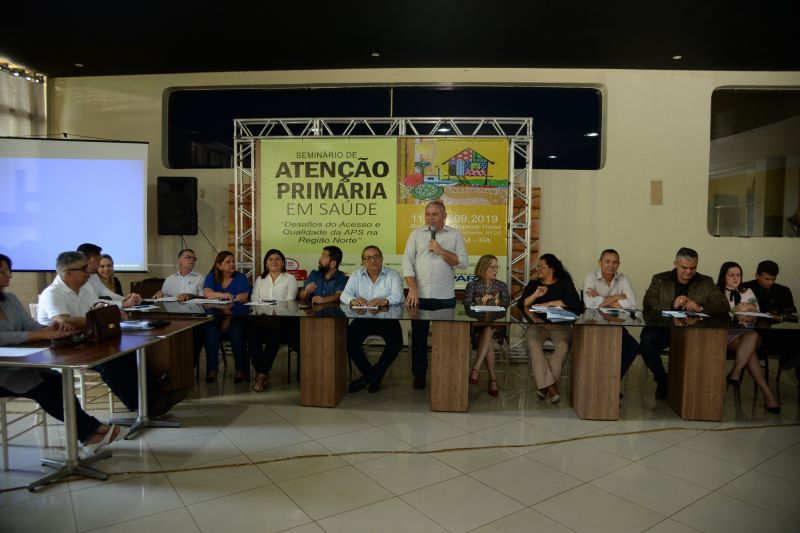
pixel 354 193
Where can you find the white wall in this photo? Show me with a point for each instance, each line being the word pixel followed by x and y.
pixel 656 124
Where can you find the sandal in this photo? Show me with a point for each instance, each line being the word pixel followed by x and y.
pixel 493 391
pixel 211 377
pixel 113 433
pixel 476 373
pixel 262 381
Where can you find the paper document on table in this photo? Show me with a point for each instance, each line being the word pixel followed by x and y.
pixel 364 307
pixel 540 308
pixel 162 299
pixel 210 301
pixel 6 351
pixel 556 314
pixel 262 302
pixel 614 311
pixel 488 308
pixel 135 324
pixel 752 313
pixel 682 314
pixel 141 308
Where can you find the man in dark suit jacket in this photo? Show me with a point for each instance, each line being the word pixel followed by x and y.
pixel 680 289
pixel 776 299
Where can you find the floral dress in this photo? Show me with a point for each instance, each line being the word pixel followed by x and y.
pixel 477 292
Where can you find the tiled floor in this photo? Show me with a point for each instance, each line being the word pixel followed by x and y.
pixel 234 466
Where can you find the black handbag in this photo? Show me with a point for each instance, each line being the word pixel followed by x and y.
pixel 102 322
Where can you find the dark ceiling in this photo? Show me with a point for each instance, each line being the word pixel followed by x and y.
pixel 116 38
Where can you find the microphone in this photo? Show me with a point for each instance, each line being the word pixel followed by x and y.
pixel 433 233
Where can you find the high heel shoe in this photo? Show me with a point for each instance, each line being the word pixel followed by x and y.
pixel 211 377
pixel 774 410
pixel 239 377
pixel 474 380
pixel 493 391
pixel 735 383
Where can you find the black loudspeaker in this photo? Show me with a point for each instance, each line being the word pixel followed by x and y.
pixel 177 206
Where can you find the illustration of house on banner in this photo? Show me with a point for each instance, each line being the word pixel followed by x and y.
pixel 468 165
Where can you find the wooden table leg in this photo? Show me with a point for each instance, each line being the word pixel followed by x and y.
pixel 450 366
pixel 696 378
pixel 594 376
pixel 323 373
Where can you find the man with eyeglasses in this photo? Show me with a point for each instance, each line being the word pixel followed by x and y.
pixel 325 285
pixel 65 302
pixel 92 253
pixel 184 284
pixel 432 254
pixel 372 287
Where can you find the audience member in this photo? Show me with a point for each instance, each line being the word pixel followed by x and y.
pixel 744 342
pixel 224 282
pixel 552 288
pixel 607 287
pixel 105 273
pixel 273 284
pixel 186 283
pixel 375 286
pixel 325 285
pixel 65 302
pixel 486 290
pixel 92 253
pixel 680 289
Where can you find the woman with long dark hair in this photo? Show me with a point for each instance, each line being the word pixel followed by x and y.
pixel 273 284
pixel 552 288
pixel 224 282
pixel 744 342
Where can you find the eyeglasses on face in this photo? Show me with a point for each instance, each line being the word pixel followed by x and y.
pixel 84 268
pixel 371 257
pixel 189 257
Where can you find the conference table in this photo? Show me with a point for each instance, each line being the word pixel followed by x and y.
pixel 67 360
pixel 696 377
pixel 172 351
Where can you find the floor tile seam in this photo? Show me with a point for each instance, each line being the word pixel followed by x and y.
pixel 315 520
pixel 337 467
pixel 108 525
pixel 512 497
pixel 110 481
pixel 420 511
pixel 719 491
pixel 748 466
pixel 670 474
pixel 639 505
pixel 187 505
pixel 458 473
pixel 410 445
pixel 706 493
pixel 411 415
pixel 627 458
pixel 730 433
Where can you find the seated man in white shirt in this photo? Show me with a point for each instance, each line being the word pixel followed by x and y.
pixel 373 285
pixel 66 301
pixel 185 284
pixel 92 253
pixel 609 288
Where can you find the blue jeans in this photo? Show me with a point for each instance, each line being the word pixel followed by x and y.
pixel 236 334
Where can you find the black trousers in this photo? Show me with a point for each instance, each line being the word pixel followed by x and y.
pixel 391 333
pixel 629 350
pixel 265 338
pixel 652 343
pixel 121 376
pixel 419 334
pixel 49 395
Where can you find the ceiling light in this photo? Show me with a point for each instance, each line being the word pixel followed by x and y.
pixel 591 134
pixel 28 77
pixel 15 72
pixel 677 58
pixel 79 65
pixel 443 129
pixel 552 156
pixel 375 54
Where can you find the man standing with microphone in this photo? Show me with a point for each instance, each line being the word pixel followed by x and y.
pixel 431 256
